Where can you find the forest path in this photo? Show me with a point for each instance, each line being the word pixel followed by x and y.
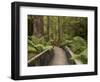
pixel 59 57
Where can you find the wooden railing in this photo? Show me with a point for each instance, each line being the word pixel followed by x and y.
pixel 41 59
pixel 44 58
pixel 72 54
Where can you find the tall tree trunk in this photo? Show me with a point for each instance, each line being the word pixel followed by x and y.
pixel 30 25
pixel 48 27
pixel 59 36
pixel 38 26
pixel 60 30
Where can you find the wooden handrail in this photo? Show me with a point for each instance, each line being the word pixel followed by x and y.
pixel 33 58
pixel 71 53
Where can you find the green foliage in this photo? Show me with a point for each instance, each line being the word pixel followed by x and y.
pixel 77 44
pixel 79 47
pixel 37 45
pixel 31 49
pixel 83 57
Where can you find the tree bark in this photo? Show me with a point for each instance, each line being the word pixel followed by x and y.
pixel 59 30
pixel 48 27
pixel 38 26
pixel 30 25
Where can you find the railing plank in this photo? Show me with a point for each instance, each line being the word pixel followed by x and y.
pixel 37 56
pixel 71 53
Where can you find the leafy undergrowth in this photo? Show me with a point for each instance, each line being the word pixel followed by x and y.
pixel 37 45
pixel 82 57
pixel 79 47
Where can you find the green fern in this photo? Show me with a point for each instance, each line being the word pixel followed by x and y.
pixel 77 44
pixel 83 57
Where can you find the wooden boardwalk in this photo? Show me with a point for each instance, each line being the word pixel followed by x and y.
pixel 59 57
